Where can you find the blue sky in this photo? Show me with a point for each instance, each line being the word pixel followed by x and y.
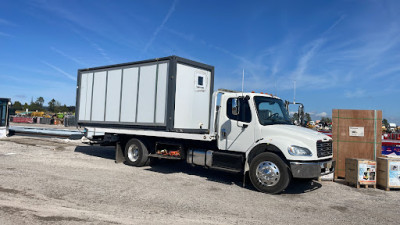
pixel 342 54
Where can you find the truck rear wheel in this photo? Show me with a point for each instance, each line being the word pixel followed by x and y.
pixel 269 174
pixel 136 153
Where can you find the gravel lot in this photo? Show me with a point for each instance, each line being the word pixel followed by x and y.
pixel 48 180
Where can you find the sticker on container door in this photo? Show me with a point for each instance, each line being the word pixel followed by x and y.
pixel 394 173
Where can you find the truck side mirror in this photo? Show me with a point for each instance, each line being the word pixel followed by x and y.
pixel 235 106
pixel 287 105
pixel 301 114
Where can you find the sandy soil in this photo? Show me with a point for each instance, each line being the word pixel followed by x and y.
pixel 58 181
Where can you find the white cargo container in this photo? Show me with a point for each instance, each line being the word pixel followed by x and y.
pixel 166 108
pixel 145 95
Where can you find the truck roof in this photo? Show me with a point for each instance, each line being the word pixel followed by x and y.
pixel 251 94
pixel 172 57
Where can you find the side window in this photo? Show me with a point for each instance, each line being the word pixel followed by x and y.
pixel 200 81
pixel 244 110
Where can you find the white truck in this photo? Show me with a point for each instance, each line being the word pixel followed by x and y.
pixel 392 127
pixel 166 108
pixel 4 116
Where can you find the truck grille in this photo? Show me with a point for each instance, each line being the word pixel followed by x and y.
pixel 324 148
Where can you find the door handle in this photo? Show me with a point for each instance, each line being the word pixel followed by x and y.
pixel 242 124
pixel 223 133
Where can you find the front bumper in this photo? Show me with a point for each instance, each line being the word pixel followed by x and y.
pixel 312 169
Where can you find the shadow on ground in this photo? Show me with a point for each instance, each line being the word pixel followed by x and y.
pixel 98 151
pixel 298 186
pixel 167 167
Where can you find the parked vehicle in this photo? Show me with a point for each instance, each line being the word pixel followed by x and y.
pixel 392 127
pixel 4 116
pixel 166 108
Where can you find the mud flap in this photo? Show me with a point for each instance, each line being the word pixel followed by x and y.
pixel 119 155
pixel 244 179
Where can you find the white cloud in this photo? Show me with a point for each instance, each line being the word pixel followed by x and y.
pixel 357 93
pixel 5 34
pixel 305 59
pixel 159 28
pixel 60 70
pixel 6 22
pixel 322 114
pixel 68 57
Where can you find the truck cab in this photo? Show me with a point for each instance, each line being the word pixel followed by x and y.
pixel 259 126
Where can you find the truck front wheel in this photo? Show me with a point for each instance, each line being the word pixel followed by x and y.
pixel 269 174
pixel 136 153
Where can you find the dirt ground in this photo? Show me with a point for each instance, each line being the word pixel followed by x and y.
pixel 58 181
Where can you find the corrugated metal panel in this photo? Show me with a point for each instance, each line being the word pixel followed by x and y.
pixel 113 95
pixel 99 96
pixel 147 94
pixel 129 92
pixel 161 93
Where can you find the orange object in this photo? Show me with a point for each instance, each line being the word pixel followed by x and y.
pixel 174 153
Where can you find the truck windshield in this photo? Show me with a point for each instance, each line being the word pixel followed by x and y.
pixel 271 111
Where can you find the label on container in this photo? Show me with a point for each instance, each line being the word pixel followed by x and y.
pixel 356 131
pixel 366 172
pixel 394 173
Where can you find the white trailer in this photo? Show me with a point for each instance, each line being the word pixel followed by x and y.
pixel 166 108
pixel 4 116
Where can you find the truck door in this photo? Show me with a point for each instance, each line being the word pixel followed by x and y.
pixel 236 132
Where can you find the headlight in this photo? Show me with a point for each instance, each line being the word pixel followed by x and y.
pixel 299 151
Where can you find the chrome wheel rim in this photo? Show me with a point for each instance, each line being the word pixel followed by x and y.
pixel 133 153
pixel 268 173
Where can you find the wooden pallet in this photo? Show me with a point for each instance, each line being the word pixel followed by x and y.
pixel 358 185
pixel 388 188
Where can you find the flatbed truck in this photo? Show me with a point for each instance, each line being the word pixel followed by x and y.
pixel 167 108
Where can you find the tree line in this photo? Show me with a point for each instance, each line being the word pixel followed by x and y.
pixel 38 105
pixel 307 118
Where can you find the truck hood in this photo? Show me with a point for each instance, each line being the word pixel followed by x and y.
pixel 282 136
pixel 295 132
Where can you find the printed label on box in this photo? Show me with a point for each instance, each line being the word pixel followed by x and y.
pixel 366 172
pixel 394 173
pixel 356 131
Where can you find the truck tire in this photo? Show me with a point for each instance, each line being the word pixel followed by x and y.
pixel 269 174
pixel 136 153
